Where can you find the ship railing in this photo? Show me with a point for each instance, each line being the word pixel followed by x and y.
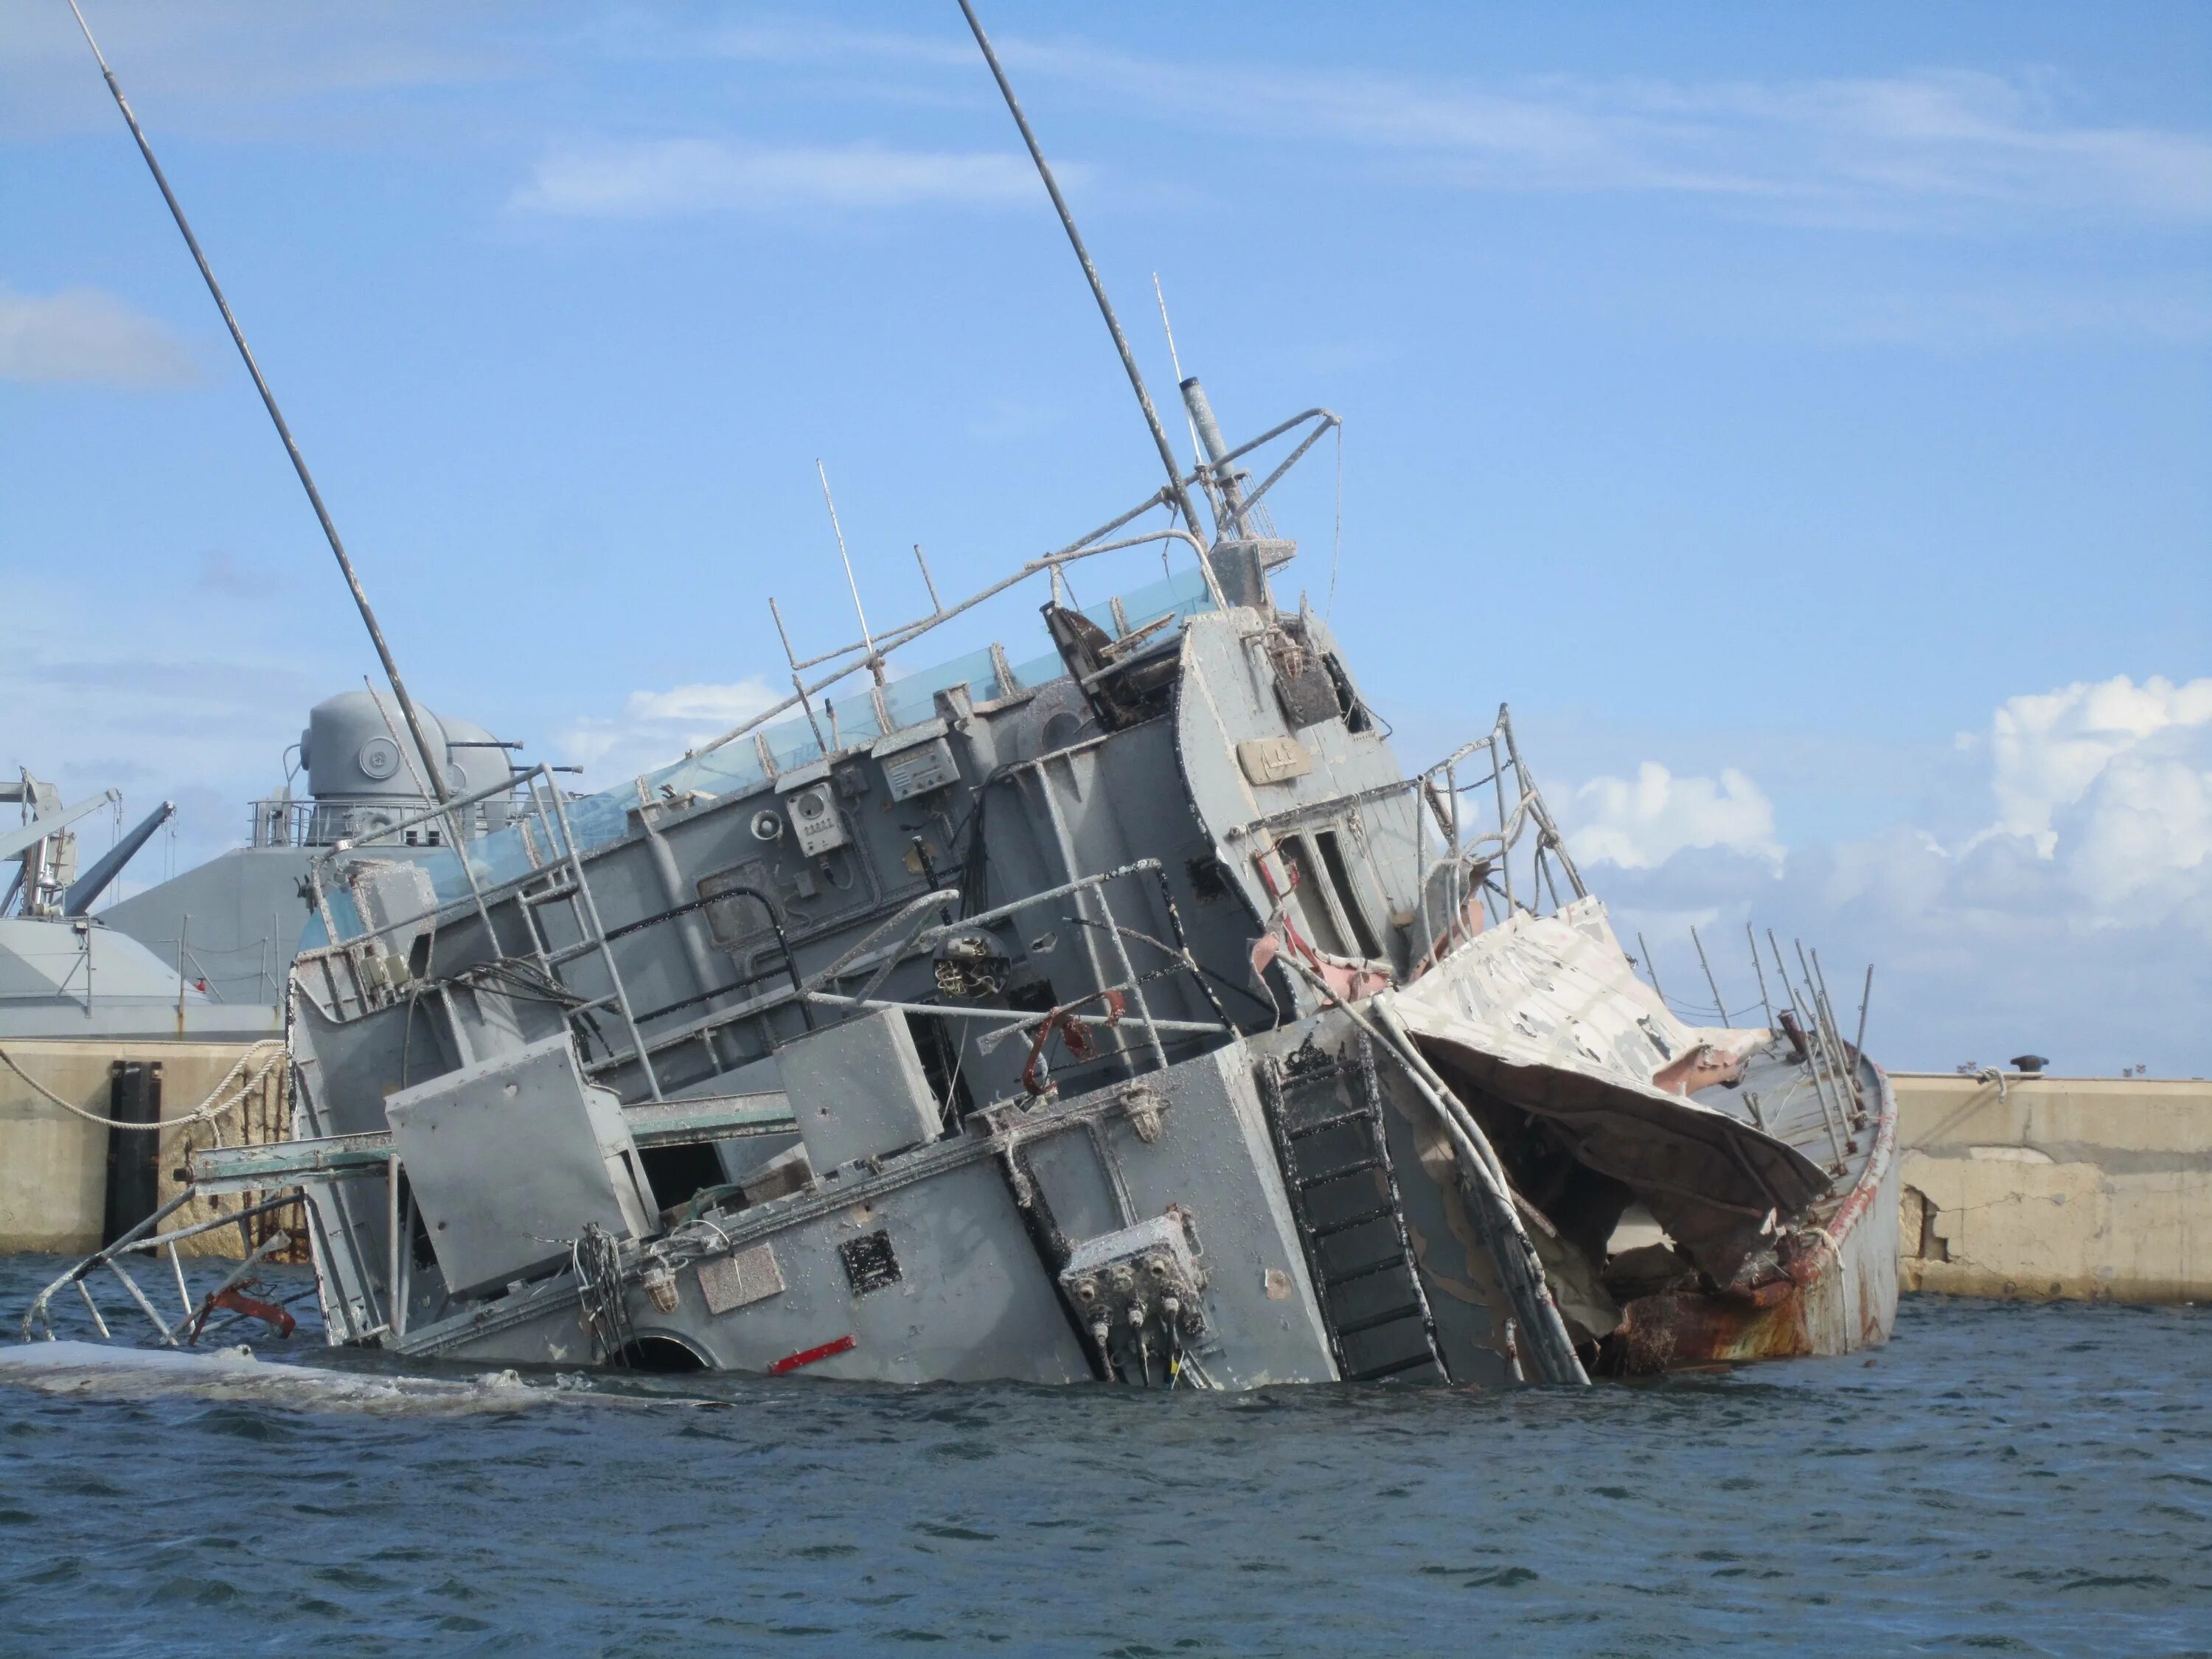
pixel 448 814
pixel 147 1239
pixel 1121 988
pixel 869 652
pixel 559 864
pixel 281 821
pixel 1796 1008
pixel 1481 865
pixel 511 851
pixel 1483 838
pixel 1120 996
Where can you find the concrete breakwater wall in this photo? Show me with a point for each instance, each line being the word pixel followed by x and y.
pixel 2096 1188
pixel 54 1166
pixel 2047 1187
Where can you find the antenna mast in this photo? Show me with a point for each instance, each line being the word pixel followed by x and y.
pixel 867 640
pixel 1176 491
pixel 1174 363
pixel 433 763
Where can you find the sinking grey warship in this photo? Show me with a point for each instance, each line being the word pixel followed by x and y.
pixel 1129 1014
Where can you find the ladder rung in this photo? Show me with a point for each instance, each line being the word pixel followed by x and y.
pixel 1360 1167
pixel 547 895
pixel 1367 1270
pixel 593 1005
pixel 1357 1115
pixel 570 952
pixel 1424 1357
pixel 1376 1321
pixel 1350 1221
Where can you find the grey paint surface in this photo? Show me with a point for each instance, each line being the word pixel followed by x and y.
pixel 858 1091
pixel 512 1156
pixel 80 979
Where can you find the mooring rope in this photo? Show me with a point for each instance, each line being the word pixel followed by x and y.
pixel 206 1112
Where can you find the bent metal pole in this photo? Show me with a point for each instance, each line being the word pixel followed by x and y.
pixel 433 762
pixel 1181 497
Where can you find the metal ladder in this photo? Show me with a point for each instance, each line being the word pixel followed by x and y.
pixel 564 882
pixel 1344 1198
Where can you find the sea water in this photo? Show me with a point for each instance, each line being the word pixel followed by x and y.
pixel 2024 1479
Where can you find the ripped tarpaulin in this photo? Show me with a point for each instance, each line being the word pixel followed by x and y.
pixel 1545 1013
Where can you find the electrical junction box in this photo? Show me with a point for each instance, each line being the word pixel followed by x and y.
pixel 510 1158
pixel 919 768
pixel 858 1090
pixel 1137 1291
pixel 814 819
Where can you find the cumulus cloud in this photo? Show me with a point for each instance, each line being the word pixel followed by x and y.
pixel 83 336
pixel 655 727
pixel 669 177
pixel 1645 821
pixel 2076 922
pixel 2051 749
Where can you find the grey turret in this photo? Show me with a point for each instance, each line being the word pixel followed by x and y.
pixel 238 917
pixel 362 767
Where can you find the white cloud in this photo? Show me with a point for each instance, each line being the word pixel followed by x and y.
pixel 1640 822
pixel 2077 923
pixel 1839 149
pixel 204 725
pixel 2051 749
pixel 2143 835
pixel 80 335
pixel 677 176
pixel 229 65
pixel 1845 148
pixel 655 727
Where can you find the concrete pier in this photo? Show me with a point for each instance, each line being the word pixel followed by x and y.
pixel 2051 1187
pixel 53 1165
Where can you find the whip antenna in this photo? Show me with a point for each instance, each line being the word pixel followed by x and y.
pixel 1177 493
pixel 431 764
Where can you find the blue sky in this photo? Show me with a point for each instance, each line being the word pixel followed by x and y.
pixel 1801 418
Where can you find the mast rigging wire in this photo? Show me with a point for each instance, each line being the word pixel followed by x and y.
pixel 432 762
pixel 1175 490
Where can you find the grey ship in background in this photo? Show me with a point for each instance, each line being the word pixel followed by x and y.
pixel 1127 1014
pixel 214 941
pixel 63 971
pixel 236 920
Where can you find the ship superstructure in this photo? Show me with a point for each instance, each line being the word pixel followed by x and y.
pixel 1130 1013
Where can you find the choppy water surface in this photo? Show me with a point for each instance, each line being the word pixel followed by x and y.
pixel 1999 1480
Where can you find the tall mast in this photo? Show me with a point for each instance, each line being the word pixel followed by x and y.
pixel 1177 493
pixel 432 762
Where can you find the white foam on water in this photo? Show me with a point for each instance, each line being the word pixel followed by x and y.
pixel 117 1372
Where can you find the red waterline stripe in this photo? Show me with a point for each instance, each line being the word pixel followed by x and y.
pixel 792 1362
